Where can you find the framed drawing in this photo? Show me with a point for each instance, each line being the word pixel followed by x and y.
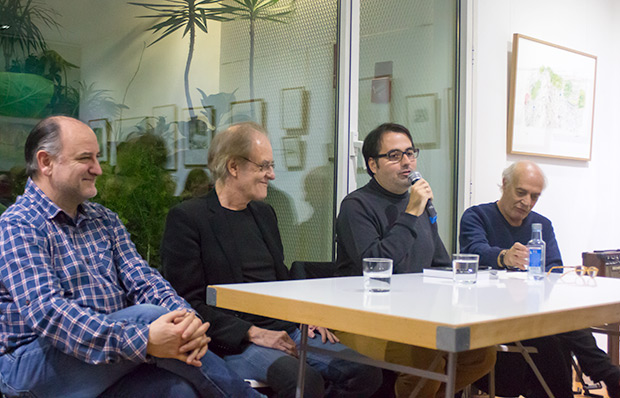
pixel 293 107
pixel 13 134
pixel 166 126
pixel 294 153
pixel 422 120
pixel 121 131
pixel 197 133
pixel 101 127
pixel 370 113
pixel 551 110
pixel 248 111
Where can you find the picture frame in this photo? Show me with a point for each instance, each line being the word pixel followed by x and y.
pixel 253 110
pixel 293 108
pixel 14 132
pixel 371 112
pixel 121 131
pixel 101 128
pixel 422 120
pixel 551 108
pixel 129 127
pixel 197 134
pixel 294 153
pixel 166 126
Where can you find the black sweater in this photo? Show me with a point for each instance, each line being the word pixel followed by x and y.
pixel 373 223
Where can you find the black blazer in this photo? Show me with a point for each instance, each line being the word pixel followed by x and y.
pixel 198 249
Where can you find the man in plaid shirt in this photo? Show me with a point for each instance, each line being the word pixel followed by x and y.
pixel 81 313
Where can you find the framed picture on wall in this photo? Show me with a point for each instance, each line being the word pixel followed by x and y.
pixel 293 106
pixel 248 111
pixel 422 120
pixel 101 127
pixel 197 134
pixel 167 127
pixel 551 110
pixel 123 130
pixel 294 153
pixel 13 134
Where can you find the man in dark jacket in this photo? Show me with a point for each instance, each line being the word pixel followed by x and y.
pixel 231 236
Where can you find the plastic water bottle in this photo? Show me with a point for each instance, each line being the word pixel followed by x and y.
pixel 538 250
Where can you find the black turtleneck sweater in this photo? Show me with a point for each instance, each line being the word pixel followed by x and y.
pixel 373 223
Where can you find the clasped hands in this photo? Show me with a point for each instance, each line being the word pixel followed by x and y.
pixel 280 340
pixel 180 335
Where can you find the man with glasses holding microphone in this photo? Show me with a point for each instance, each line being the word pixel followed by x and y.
pixel 498 232
pixel 391 218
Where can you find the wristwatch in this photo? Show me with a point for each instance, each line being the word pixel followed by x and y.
pixel 500 259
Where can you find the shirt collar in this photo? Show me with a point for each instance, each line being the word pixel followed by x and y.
pixel 50 209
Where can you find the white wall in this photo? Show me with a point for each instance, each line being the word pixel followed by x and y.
pixel 581 198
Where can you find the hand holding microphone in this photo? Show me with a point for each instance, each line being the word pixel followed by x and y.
pixel 414 177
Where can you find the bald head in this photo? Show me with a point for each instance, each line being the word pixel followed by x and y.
pixel 522 185
pixel 522 168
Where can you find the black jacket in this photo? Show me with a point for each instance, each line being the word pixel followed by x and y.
pixel 199 249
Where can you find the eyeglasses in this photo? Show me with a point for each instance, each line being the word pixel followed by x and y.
pixel 265 166
pixel 579 270
pixel 396 155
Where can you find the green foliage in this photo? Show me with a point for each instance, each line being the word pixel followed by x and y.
pixel 253 10
pixel 140 190
pixel 52 66
pixel 98 102
pixel 178 14
pixel 21 17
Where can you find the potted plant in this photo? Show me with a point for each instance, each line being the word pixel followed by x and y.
pixel 33 84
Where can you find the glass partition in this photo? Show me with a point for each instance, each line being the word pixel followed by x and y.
pixel 406 75
pixel 156 97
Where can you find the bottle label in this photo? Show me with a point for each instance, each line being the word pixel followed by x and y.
pixel 535 255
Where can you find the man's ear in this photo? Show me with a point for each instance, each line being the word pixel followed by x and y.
pixel 45 162
pixel 233 167
pixel 372 165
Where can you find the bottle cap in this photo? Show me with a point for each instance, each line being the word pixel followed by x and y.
pixel 536 227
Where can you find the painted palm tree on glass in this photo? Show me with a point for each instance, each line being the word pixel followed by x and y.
pixel 189 15
pixel 253 11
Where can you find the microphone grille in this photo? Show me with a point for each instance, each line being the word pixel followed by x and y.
pixel 414 176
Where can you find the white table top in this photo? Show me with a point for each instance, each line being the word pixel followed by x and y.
pixel 434 312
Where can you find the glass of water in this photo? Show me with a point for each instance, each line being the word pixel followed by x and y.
pixel 377 274
pixel 465 268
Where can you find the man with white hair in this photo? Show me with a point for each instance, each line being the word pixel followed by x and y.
pixel 231 236
pixel 498 232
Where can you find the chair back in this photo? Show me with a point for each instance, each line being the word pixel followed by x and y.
pixel 312 269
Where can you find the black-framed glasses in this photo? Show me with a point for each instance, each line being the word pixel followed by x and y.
pixel 265 166
pixel 396 155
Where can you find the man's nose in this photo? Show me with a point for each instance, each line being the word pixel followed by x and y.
pixel 527 201
pixel 96 168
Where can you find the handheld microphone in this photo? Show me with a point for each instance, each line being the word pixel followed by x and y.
pixel 413 177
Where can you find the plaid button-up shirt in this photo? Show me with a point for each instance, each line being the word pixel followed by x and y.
pixel 59 277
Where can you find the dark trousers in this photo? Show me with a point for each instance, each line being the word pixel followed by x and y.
pixel 513 377
pixel 593 361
